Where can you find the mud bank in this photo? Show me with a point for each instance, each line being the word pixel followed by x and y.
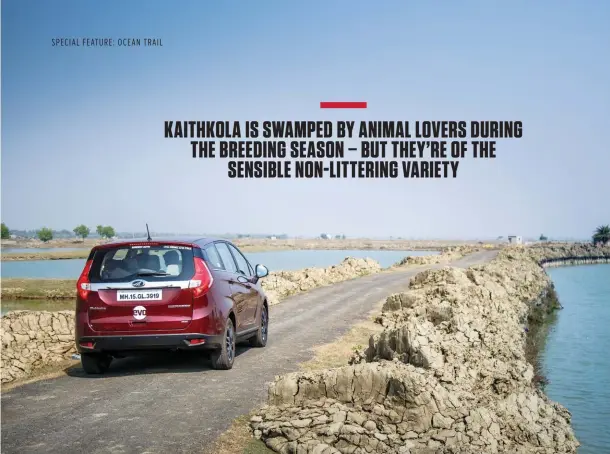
pixel 575 261
pixel 449 373
pixel 564 253
pixel 38 289
pixel 448 254
pixel 35 339
pixel 8 256
pixel 280 284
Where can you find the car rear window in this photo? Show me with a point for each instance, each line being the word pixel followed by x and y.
pixel 151 263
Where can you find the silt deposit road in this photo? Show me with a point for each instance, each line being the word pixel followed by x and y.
pixel 176 403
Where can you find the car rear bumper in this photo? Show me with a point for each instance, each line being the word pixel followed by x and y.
pixel 148 342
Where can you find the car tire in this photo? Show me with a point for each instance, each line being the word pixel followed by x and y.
pixel 95 363
pixel 222 358
pixel 260 339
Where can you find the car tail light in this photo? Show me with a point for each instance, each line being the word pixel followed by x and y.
pixel 87 344
pixel 202 280
pixel 196 341
pixel 83 286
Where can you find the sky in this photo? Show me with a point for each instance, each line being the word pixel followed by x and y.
pixel 82 128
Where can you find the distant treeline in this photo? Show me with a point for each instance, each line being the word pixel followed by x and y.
pixel 67 234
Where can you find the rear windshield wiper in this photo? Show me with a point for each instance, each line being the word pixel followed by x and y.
pixel 152 273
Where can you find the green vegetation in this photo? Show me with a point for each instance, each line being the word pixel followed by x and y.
pixel 238 439
pixel 45 234
pixel 5 232
pixel 31 289
pixel 39 304
pixel 82 231
pixel 38 255
pixel 105 231
pixel 109 232
pixel 601 235
pixel 543 237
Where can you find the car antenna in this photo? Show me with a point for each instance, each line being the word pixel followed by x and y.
pixel 148 232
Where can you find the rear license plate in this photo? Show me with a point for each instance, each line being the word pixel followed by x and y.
pixel 139 295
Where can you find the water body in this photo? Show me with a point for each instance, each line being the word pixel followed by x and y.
pixel 274 260
pixel 576 357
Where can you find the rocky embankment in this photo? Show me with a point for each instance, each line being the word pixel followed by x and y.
pixel 34 339
pixel 448 374
pixel 559 254
pixel 447 254
pixel 280 284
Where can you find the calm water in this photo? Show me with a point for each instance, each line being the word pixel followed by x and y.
pixel 576 358
pixel 275 260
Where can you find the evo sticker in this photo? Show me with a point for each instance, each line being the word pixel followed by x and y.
pixel 139 312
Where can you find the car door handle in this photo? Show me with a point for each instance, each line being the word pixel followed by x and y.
pixel 242 281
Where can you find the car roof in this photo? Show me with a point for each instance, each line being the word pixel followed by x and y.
pixel 169 239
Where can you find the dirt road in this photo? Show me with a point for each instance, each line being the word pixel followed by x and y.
pixel 176 403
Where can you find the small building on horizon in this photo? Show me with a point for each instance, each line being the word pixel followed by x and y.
pixel 514 239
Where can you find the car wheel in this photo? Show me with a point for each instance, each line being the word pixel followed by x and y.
pixel 95 363
pixel 223 357
pixel 260 340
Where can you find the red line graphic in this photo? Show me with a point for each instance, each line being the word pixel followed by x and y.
pixel 343 105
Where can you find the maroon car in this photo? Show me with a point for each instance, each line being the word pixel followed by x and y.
pixel 191 294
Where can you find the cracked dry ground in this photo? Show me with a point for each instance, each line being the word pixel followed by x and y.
pixel 447 375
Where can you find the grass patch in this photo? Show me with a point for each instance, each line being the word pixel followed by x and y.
pixel 543 307
pixel 42 255
pixel 238 440
pixel 338 353
pixel 16 288
pixel 38 305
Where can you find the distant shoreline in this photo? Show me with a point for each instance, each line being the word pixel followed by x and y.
pixel 245 244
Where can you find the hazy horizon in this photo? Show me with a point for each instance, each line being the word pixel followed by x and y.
pixel 142 234
pixel 82 136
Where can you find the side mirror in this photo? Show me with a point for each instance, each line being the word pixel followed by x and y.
pixel 261 271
